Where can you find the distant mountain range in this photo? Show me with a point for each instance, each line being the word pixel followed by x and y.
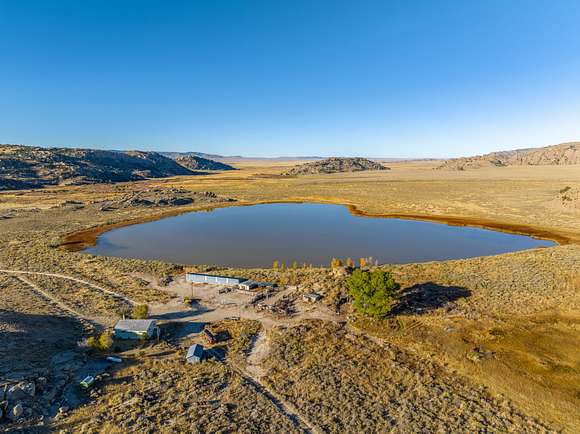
pixel 224 158
pixel 175 155
pixel 556 155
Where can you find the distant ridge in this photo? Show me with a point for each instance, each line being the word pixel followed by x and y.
pixel 23 167
pixel 194 162
pixel 556 155
pixel 174 155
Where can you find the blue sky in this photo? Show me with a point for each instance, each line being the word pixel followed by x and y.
pixel 301 77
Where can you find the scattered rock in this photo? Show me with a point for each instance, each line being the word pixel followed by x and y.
pixel 41 382
pixel 15 393
pixel 161 198
pixel 28 388
pixel 569 198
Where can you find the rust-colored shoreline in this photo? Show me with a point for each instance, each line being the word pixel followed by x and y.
pixel 477 223
pixel 80 240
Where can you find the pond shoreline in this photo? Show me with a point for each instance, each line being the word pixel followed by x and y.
pixel 80 240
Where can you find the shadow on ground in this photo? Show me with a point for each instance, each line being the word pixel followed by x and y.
pixel 28 341
pixel 182 314
pixel 429 296
pixel 181 329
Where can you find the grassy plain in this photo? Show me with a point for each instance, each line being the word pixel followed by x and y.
pixel 509 323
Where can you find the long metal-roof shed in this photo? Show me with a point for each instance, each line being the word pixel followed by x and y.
pixel 214 280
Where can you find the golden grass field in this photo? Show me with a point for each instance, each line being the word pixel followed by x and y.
pixel 513 331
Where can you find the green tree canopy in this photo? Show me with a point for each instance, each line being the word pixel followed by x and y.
pixel 373 292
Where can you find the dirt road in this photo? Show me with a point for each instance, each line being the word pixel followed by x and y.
pixel 74 279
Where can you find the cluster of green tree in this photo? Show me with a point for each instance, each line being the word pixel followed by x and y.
pixel 373 292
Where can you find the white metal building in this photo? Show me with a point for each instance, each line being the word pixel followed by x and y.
pixel 214 280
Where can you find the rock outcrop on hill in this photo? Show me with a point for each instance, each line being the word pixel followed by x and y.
pixel 198 163
pixel 157 197
pixel 335 165
pixel 557 155
pixel 33 167
pixel 569 198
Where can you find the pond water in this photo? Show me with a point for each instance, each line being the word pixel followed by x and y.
pixel 255 236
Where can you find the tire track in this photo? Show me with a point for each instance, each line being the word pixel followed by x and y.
pixel 74 279
pixel 86 322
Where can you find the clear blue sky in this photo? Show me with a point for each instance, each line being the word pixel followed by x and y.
pixel 298 77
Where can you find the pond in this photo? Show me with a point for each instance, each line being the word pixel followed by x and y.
pixel 255 236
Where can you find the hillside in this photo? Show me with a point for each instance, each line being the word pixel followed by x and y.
pixel 24 167
pixel 557 155
pixel 198 163
pixel 335 165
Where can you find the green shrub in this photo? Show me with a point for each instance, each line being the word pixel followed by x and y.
pixel 373 292
pixel 140 311
pixel 102 343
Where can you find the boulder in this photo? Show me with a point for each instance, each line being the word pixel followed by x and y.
pixel 21 391
pixel 16 412
pixel 15 393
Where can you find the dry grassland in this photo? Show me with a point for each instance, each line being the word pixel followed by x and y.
pixel 509 323
pixel 158 392
pixel 322 369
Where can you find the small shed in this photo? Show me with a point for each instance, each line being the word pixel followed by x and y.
pixel 209 336
pixel 194 353
pixel 311 297
pixel 248 285
pixel 135 329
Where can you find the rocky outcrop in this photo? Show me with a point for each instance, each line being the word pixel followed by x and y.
pixel 558 155
pixel 569 199
pixel 163 198
pixel 335 165
pixel 23 167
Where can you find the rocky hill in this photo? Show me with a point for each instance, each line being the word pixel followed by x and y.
pixel 335 165
pixel 33 167
pixel 198 163
pixel 557 155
